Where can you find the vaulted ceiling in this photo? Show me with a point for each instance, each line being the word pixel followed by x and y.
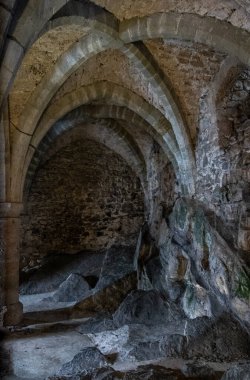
pixel 141 65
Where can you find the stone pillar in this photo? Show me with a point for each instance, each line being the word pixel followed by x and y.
pixel 9 243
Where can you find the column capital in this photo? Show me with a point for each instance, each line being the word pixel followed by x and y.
pixel 10 209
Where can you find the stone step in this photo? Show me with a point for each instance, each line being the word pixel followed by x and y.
pixel 41 328
pixel 104 300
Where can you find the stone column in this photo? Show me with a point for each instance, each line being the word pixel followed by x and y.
pixel 9 256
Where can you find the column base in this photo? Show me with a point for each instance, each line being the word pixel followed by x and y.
pixel 14 314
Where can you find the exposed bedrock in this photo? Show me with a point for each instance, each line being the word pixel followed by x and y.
pixel 71 295
pixel 238 371
pixel 74 288
pixel 147 327
pixel 147 372
pixel 56 268
pixel 197 268
pixel 184 296
pixel 87 360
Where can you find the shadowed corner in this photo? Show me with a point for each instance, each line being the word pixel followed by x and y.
pixel 4 355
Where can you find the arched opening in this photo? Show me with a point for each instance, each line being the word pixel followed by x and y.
pixel 128 145
pixel 83 201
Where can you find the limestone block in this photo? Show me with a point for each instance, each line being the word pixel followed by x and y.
pixel 244 239
pixel 140 306
pixel 196 302
pixel 13 55
pixel 74 288
pixel 241 308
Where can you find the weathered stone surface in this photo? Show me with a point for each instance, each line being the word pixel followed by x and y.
pixel 100 210
pixel 199 369
pixel 223 154
pixel 87 360
pixel 230 11
pixel 238 371
pixel 147 372
pixel 117 279
pixel 138 342
pixel 113 341
pixel 96 325
pixel 213 271
pixel 196 302
pixel 146 307
pixel 107 299
pixel 117 263
pixel 176 60
pixel 221 340
pixel 171 105
pixel 74 288
pixel 56 268
pixel 40 60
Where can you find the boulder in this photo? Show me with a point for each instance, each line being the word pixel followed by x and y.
pixel 140 306
pixel 146 372
pixel 196 302
pixel 118 262
pixel 57 268
pixel 200 370
pixel 87 360
pixel 74 288
pixel 223 340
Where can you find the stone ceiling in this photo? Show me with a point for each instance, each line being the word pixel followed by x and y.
pixel 155 58
pixel 228 10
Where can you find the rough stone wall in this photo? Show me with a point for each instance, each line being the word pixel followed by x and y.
pixel 84 197
pixel 38 61
pixel 162 189
pixel 169 185
pixel 234 137
pixel 189 68
pixel 113 66
pixel 223 157
pixel 235 12
pixel 199 268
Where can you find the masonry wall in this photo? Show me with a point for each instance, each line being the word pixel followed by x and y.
pixel 85 197
pixel 223 158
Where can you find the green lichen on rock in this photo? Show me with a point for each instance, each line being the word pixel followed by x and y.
pixel 243 289
pixel 199 227
pixel 190 295
pixel 181 215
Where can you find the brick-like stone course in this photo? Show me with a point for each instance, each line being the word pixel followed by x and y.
pixel 223 156
pixel 83 197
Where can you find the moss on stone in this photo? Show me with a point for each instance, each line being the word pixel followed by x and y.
pixel 181 215
pixel 243 289
pixel 199 228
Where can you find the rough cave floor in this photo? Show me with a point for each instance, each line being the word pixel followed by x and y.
pixel 113 330
pixel 37 354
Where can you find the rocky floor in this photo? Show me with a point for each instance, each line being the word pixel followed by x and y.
pixel 113 330
pixel 38 355
pixel 130 344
